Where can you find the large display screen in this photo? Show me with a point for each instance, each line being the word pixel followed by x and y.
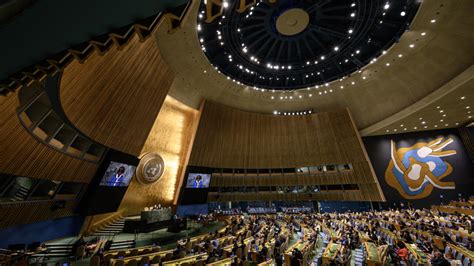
pixel 196 180
pixel 117 175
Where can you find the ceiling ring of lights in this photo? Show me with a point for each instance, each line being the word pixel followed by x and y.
pixel 340 38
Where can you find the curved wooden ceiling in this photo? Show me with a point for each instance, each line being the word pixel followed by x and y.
pixel 441 51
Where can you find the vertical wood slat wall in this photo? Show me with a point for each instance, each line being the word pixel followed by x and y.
pixel 231 138
pixel 21 154
pixel 115 98
pixel 15 213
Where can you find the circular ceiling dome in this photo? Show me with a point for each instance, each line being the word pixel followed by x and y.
pixel 292 44
pixel 292 21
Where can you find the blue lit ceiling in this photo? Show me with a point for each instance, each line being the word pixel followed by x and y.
pixel 340 38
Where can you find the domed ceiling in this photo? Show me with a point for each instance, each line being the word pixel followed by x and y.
pixel 404 75
pixel 291 44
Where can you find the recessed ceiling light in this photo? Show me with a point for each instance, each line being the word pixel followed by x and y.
pixel 400 55
pixel 387 64
pixel 364 77
pixel 353 4
pixel 415 128
pixel 386 6
pixel 353 14
pixel 437 107
pixel 405 129
pixel 423 122
pixel 311 95
pixel 353 83
pixel 350 31
pixel 463 97
pixel 467 107
pixel 412 45
pixel 275 112
pixel 273 97
pixel 433 21
pixel 441 111
pixel 225 5
pixel 403 13
pixel 435 125
pixel 425 126
pixel 423 33
pixel 395 130
pixel 336 48
pixel 205 71
pixel 446 125
pixel 387 130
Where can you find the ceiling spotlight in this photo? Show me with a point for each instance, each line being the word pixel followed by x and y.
pixel 199 27
pixel 463 97
pixel 400 55
pixel 225 5
pixel 433 21
pixel 205 71
pixel 275 112
pixel 364 77
pixel 311 95
pixel 387 64
pixel 386 6
pixel 350 31
pixel 423 33
pixel 412 45
pixel 403 13
pixel 353 14
pixel 353 4
pixel 336 48
pixel 323 57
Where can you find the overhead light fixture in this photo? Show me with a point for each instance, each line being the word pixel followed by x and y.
pixel 403 13
pixel 412 45
pixel 433 21
pixel 386 6
pixel 423 33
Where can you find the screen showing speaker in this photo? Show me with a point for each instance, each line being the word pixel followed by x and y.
pixel 197 180
pixel 117 175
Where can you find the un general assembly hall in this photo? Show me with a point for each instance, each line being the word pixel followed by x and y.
pixel 236 132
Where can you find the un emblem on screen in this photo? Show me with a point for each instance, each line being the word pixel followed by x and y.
pixel 416 170
pixel 150 168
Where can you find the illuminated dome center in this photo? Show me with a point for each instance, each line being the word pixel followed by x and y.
pixel 292 21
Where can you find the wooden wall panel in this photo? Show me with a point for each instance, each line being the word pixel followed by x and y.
pixel 14 213
pixel 115 98
pixel 22 154
pixel 171 137
pixel 230 138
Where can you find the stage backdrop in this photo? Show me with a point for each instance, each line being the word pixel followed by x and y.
pixel 423 168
